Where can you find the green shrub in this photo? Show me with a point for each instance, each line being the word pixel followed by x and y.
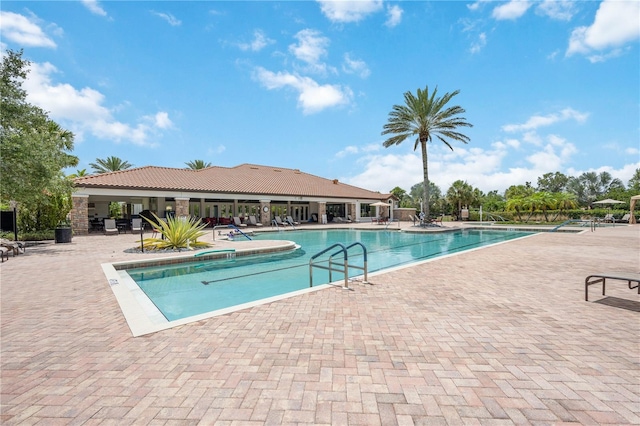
pixel 178 233
pixel 48 234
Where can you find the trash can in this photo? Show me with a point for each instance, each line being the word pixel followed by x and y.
pixel 63 235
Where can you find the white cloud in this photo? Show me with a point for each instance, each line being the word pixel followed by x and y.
pixel 348 150
pixel 312 97
pixel 82 111
pixel 554 155
pixel 171 20
pixel 311 47
pixel 479 44
pixel 394 16
pixel 537 121
pixel 94 7
pixel 632 151
pixel 161 120
pixel 355 66
pixel 476 5
pixel 259 42
pixel 505 163
pixel 514 9
pixel 562 10
pixel 616 23
pixel 23 31
pixel 349 10
pixel 217 150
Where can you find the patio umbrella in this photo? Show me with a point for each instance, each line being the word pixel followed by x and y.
pixel 608 201
pixel 379 204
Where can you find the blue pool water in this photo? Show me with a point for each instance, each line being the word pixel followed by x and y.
pixel 184 290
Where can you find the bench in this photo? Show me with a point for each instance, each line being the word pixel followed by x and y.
pixel 630 277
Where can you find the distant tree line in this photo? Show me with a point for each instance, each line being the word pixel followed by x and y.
pixel 554 194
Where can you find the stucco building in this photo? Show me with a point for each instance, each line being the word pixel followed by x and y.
pixel 220 193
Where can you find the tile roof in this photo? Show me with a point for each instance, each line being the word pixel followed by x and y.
pixel 241 179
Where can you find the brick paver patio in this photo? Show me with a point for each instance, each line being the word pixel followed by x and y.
pixel 496 336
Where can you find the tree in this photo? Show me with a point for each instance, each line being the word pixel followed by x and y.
pixel 425 115
pixel 542 201
pixel 33 149
pixel 634 183
pixel 197 164
pixel 564 201
pixel 553 182
pixel 404 200
pixel 519 191
pixel 435 197
pixel 460 193
pixel 78 173
pixel 110 164
pixel 493 202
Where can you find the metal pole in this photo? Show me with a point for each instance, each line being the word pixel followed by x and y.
pixel 15 223
pixel 346 273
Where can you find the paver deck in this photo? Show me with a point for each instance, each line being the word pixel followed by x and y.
pixel 496 336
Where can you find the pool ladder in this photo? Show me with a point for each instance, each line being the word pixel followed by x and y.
pixel 342 267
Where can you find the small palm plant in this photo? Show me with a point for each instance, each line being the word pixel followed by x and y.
pixel 178 233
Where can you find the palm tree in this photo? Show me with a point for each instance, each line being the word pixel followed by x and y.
pixel 197 164
pixel 425 116
pixel 78 173
pixel 542 201
pixel 110 164
pixel 460 193
pixel 564 201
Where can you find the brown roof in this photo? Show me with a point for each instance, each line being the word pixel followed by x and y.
pixel 242 179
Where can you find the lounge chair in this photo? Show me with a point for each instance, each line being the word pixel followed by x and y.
pixel 290 221
pixel 624 219
pixel 279 222
pixel 237 222
pixel 630 277
pixel 608 218
pixel 4 253
pixel 110 227
pixel 136 225
pixel 16 247
pixel 253 221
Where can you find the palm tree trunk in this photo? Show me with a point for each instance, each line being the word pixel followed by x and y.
pixel 425 183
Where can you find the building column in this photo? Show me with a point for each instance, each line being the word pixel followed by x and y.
pixel 265 217
pixel 351 211
pixel 322 210
pixel 182 207
pixel 80 214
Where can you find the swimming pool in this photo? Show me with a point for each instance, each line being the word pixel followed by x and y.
pixel 190 289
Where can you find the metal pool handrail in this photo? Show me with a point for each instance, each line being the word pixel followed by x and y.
pixel 228 227
pixel 331 264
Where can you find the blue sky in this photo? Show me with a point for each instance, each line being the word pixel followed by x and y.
pixel 548 85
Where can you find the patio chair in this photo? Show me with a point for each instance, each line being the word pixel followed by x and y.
pixel 608 218
pixel 136 225
pixel 237 222
pixel 4 253
pixel 290 221
pixel 110 227
pixel 279 222
pixel 16 247
pixel 624 219
pixel 253 221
